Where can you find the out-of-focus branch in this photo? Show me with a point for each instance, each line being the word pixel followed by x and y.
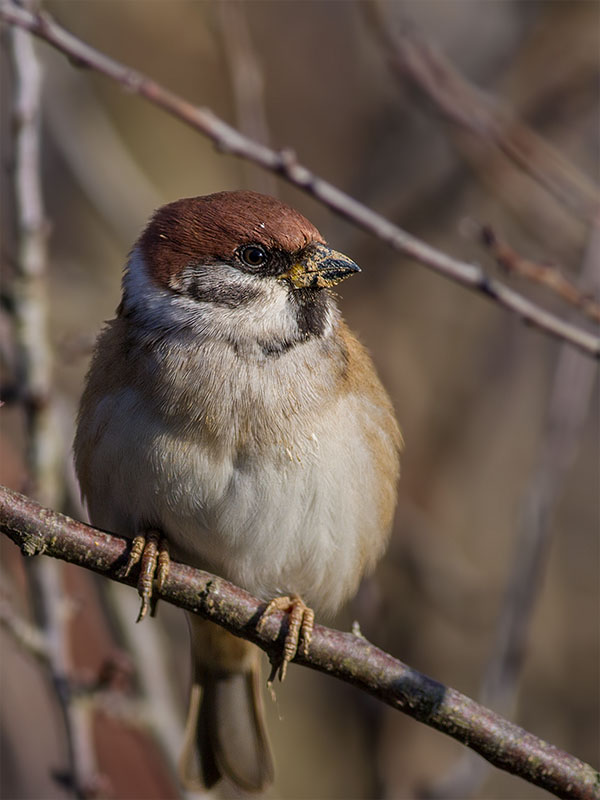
pixel 349 657
pixel 29 636
pixel 44 454
pixel 545 275
pixel 285 164
pixel 30 293
pixel 100 692
pixel 247 85
pixel 153 670
pixel 53 612
pixel 568 405
pixel 414 58
pixel 81 129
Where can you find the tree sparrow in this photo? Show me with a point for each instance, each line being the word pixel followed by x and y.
pixel 229 409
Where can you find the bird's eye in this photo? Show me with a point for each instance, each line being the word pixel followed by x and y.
pixel 253 255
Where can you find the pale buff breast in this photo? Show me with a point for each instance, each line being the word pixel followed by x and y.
pixel 251 489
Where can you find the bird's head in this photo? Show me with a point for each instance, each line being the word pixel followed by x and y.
pixel 240 264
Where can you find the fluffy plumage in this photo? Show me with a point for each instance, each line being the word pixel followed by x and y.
pixel 229 407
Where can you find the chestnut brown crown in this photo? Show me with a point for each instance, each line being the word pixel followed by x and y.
pixel 220 228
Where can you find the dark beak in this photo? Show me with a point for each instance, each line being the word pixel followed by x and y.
pixel 319 266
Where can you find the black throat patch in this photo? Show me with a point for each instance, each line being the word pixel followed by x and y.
pixel 310 308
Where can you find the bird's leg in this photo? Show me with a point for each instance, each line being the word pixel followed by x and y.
pixel 301 622
pixel 153 554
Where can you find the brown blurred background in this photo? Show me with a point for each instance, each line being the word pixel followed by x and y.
pixel 471 385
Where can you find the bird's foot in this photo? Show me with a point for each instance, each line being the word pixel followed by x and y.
pixel 301 622
pixel 152 553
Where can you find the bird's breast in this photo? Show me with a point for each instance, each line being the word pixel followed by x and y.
pixel 267 474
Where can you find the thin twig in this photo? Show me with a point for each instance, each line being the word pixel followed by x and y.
pixel 285 164
pixel 152 660
pixel 28 636
pixel 80 128
pixel 414 58
pixel 351 658
pixel 82 776
pixel 545 275
pixel 247 85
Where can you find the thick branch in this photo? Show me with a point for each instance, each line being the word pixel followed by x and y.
pixel 346 656
pixel 285 164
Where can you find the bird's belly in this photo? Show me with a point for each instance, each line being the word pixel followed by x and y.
pixel 273 525
pixel 289 516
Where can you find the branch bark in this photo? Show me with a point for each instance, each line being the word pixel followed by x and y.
pixel 346 656
pixel 285 164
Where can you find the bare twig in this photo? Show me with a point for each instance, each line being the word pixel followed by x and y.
pixel 414 58
pixel 80 128
pixel 545 275
pixel 353 659
pixel 82 776
pixel 151 657
pixel 246 83
pixel 29 636
pixel 43 445
pixel 285 164
pixel 568 405
pixel 30 293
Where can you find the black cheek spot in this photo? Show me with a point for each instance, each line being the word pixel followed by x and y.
pixel 226 294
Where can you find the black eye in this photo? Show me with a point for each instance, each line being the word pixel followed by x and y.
pixel 253 255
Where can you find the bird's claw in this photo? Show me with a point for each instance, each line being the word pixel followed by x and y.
pixel 301 621
pixel 152 553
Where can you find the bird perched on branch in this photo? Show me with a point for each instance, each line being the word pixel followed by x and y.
pixel 231 416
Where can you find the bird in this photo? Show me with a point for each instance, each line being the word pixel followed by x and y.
pixel 232 421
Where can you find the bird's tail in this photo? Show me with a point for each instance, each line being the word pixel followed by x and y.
pixel 225 734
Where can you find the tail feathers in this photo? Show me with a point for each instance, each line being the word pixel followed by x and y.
pixel 225 733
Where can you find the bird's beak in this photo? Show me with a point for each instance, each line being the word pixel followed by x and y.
pixel 319 266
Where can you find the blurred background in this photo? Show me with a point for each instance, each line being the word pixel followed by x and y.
pixel 490 583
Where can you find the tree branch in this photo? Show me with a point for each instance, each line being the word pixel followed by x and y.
pixel 285 164
pixel 349 657
pixel 43 450
pixel 545 275
pixel 247 85
pixel 30 286
pixel 30 637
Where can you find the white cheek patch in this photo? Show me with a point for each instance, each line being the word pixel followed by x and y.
pixel 154 306
pixel 267 315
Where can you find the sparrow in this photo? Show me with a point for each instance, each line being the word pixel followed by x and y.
pixel 231 419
